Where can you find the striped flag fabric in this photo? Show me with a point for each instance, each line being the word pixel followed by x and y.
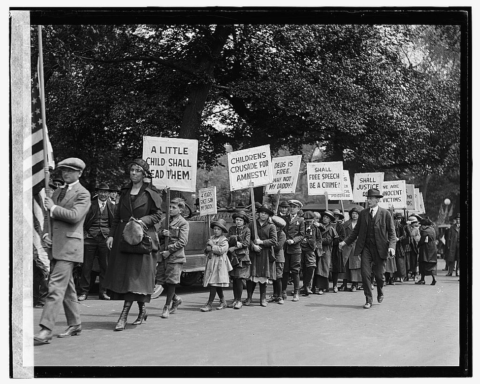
pixel 34 142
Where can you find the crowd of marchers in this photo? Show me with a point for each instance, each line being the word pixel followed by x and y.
pixel 140 253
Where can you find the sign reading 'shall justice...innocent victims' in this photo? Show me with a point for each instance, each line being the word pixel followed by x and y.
pixel 173 162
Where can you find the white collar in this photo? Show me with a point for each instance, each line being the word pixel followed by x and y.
pixel 374 209
pixel 69 186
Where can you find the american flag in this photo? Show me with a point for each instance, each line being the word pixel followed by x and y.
pixel 34 161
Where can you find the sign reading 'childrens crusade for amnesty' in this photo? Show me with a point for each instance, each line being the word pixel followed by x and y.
pixel 325 177
pixel 365 181
pixel 394 195
pixel 347 189
pixel 173 162
pixel 208 201
pixel 250 167
pixel 285 174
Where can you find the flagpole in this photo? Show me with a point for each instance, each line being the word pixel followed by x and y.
pixel 44 118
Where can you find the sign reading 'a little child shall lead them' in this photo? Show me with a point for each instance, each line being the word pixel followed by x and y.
pixel 173 162
pixel 250 167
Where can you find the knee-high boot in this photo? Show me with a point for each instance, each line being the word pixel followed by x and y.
pixel 142 314
pixel 122 320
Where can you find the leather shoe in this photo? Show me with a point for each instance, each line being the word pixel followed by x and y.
pixel 82 297
pixel 380 299
pixel 175 304
pixel 104 296
pixel 72 330
pixel 367 305
pixel 44 336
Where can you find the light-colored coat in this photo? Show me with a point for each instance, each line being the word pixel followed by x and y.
pixel 179 229
pixel 67 223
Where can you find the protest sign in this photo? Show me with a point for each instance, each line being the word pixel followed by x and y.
pixel 422 204
pixel 173 162
pixel 394 195
pixel 410 197
pixel 250 167
pixel 362 182
pixel 285 174
pixel 347 189
pixel 416 193
pixel 325 177
pixel 207 199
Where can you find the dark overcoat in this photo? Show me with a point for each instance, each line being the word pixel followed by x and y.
pixel 451 242
pixel 261 265
pixel 384 229
pixel 134 272
pixel 354 261
pixel 427 250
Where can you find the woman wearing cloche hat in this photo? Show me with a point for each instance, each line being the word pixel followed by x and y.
pixel 239 243
pixel 324 262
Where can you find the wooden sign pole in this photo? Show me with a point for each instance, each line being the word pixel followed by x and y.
pixel 326 200
pixel 278 202
pixel 343 210
pixel 253 213
pixel 167 217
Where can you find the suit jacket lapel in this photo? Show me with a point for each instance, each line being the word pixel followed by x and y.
pixel 377 216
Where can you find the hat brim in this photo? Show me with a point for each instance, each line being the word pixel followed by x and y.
pixel 70 167
pixel 329 215
pixel 377 196
pixel 241 216
pixel 219 225
pixel 266 210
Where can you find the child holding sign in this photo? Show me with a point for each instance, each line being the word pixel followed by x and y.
pixel 218 265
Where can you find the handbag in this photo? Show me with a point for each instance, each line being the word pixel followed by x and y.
pixel 135 238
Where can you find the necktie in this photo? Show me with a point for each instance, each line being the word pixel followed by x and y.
pixel 371 213
pixel 102 205
pixel 63 192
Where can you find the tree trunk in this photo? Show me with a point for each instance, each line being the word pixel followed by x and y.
pixel 200 89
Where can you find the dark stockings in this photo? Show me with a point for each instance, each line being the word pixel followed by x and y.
pixel 213 292
pixel 170 289
pixel 334 278
pixel 237 289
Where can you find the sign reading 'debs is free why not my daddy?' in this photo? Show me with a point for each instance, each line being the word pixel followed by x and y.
pixel 250 167
pixel 325 177
pixel 207 199
pixel 365 181
pixel 285 174
pixel 173 162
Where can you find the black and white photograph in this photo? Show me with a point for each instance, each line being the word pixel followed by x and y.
pixel 240 191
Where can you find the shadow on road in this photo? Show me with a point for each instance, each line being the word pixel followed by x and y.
pixel 336 306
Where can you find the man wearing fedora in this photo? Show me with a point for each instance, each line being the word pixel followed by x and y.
pixel 68 208
pixel 96 228
pixel 295 231
pixel 376 240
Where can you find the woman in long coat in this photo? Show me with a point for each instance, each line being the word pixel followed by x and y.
pixel 239 242
pixel 412 234
pixel 324 262
pixel 427 251
pixel 354 263
pixel 400 257
pixel 262 257
pixel 453 247
pixel 338 259
pixel 131 276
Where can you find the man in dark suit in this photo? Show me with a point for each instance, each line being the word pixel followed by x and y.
pixel 376 240
pixel 96 228
pixel 67 207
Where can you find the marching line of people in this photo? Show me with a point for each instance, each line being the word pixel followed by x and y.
pixel 140 261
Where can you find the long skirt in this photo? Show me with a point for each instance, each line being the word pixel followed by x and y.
pixel 412 261
pixel 428 268
pixel 401 267
pixel 354 275
pixel 320 282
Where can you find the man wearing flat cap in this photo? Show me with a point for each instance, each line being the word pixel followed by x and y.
pixel 68 208
pixel 376 240
pixel 283 210
pixel 96 228
pixel 295 231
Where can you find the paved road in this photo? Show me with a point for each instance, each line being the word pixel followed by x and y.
pixel 416 325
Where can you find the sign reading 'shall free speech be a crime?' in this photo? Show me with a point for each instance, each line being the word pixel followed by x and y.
pixel 325 177
pixel 250 167
pixel 173 162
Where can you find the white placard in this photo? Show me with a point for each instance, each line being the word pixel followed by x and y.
pixel 347 189
pixel 422 204
pixel 416 193
pixel 410 189
pixel 207 199
pixel 285 174
pixel 325 177
pixel 173 162
pixel 362 182
pixel 250 167
pixel 394 195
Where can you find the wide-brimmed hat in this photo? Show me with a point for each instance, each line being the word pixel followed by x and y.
pixel 426 221
pixel 241 215
pixel 397 215
pixel 354 209
pixel 278 221
pixel 141 163
pixel 374 193
pixel 284 204
pixel 413 219
pixel 267 209
pixel 72 163
pixel 103 186
pixel 296 203
pixel 220 223
pixel 329 214
pixel 338 213
pixel 115 189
